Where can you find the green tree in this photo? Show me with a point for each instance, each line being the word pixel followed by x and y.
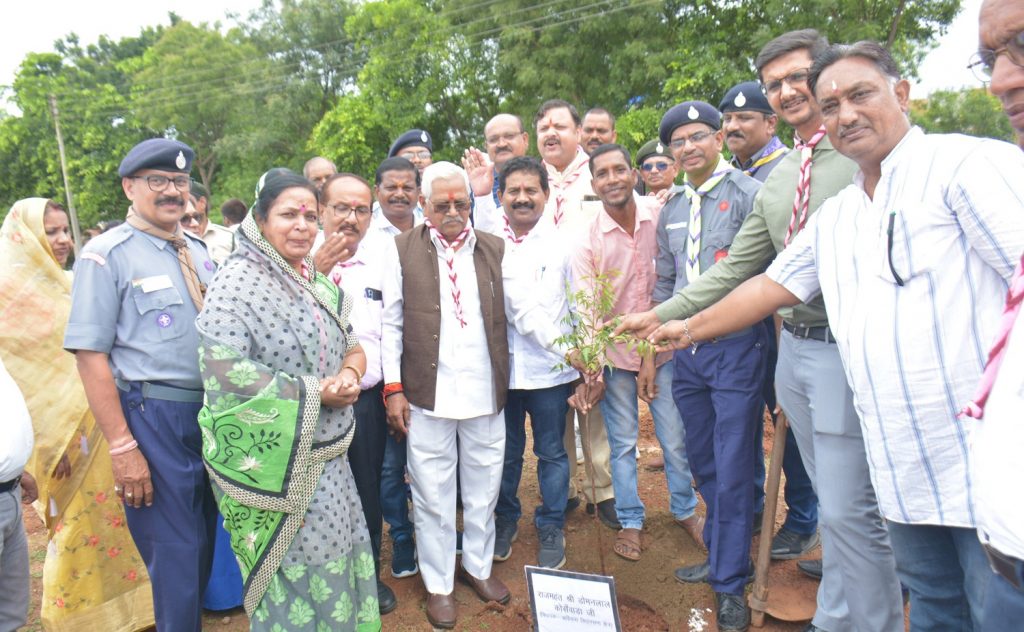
pixel 969 111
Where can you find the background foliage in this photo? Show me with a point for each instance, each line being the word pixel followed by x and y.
pixel 342 78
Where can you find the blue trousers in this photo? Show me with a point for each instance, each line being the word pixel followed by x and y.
pixel 718 391
pixel 394 491
pixel 802 502
pixel 547 408
pixel 366 458
pixel 1004 604
pixel 947 574
pixel 175 536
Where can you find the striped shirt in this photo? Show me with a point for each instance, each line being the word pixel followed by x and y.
pixel 913 353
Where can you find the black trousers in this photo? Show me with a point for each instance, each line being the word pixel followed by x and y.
pixel 366 455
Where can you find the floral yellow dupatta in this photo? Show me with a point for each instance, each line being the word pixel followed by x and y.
pixel 93 577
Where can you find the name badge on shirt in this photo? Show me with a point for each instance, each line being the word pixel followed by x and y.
pixel 373 295
pixel 675 225
pixel 153 283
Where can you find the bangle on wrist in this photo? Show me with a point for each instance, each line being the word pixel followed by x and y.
pixel 359 374
pixel 124 448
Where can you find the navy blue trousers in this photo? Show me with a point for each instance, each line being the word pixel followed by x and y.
pixel 718 391
pixel 802 516
pixel 175 536
pixel 366 457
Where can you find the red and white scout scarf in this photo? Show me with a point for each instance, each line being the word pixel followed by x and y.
pixel 803 186
pixel 511 235
pixel 449 259
pixel 575 170
pixel 1014 298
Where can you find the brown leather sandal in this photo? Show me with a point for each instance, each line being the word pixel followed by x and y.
pixel 628 544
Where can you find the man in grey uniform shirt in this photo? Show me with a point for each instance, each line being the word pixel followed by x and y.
pixel 138 289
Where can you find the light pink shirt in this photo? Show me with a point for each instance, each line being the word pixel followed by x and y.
pixel 629 262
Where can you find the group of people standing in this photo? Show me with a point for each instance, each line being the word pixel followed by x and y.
pixel 298 378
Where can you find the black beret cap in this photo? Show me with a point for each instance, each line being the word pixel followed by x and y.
pixel 745 97
pixel 163 154
pixel 412 137
pixel 652 148
pixel 688 112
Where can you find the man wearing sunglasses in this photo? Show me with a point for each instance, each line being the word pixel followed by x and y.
pixel 657 166
pixel 998 399
pixel 219 240
pixel 859 589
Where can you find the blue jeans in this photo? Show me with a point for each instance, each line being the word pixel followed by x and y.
pixel 622 421
pixel 718 393
pixel 946 572
pixel 394 499
pixel 547 408
pixel 1004 604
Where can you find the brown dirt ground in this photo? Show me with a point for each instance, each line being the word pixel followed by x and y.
pixel 649 597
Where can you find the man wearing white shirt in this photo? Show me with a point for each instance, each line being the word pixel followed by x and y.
pixel 16 487
pixel 536 270
pixel 345 201
pixel 397 189
pixel 912 261
pixel 999 399
pixel 570 207
pixel 446 367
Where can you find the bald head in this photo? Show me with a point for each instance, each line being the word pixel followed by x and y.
pixel 505 138
pixel 317 170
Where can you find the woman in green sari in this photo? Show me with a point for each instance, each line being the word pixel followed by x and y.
pixel 281 368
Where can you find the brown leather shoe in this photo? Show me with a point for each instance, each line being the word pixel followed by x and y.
pixel 490 589
pixel 441 610
pixel 694 525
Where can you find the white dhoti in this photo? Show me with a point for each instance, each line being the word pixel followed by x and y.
pixel 432 457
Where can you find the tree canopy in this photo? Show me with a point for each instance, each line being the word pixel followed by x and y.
pixel 343 78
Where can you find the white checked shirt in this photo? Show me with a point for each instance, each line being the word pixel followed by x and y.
pixel 465 386
pixel 16 448
pixel 535 275
pixel 913 354
pixel 360 277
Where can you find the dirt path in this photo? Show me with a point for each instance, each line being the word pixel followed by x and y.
pixel 674 606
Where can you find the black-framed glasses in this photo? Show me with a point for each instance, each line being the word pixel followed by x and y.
pixel 462 206
pixel 983 62
pixel 188 218
pixel 660 166
pixel 794 78
pixel 159 183
pixel 889 240
pixel 679 143
pixel 341 211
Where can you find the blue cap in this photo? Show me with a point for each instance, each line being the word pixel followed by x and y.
pixel 745 97
pixel 688 112
pixel 415 137
pixel 157 153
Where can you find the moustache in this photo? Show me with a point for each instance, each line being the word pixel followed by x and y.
pixel 737 135
pixel 177 201
pixel 524 205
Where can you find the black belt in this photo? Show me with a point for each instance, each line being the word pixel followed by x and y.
pixel 7 486
pixel 821 332
pixel 1009 568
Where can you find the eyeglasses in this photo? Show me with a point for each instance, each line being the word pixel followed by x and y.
pixel 189 218
pixel 462 206
pixel 660 166
pixel 159 183
pixel 341 211
pixel 410 155
pixel 679 143
pixel 794 78
pixel 508 137
pixel 983 62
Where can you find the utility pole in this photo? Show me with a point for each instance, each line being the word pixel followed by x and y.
pixel 76 231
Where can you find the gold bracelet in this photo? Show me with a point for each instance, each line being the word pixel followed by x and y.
pixel 359 374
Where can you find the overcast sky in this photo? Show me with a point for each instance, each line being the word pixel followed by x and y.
pixel 33 26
